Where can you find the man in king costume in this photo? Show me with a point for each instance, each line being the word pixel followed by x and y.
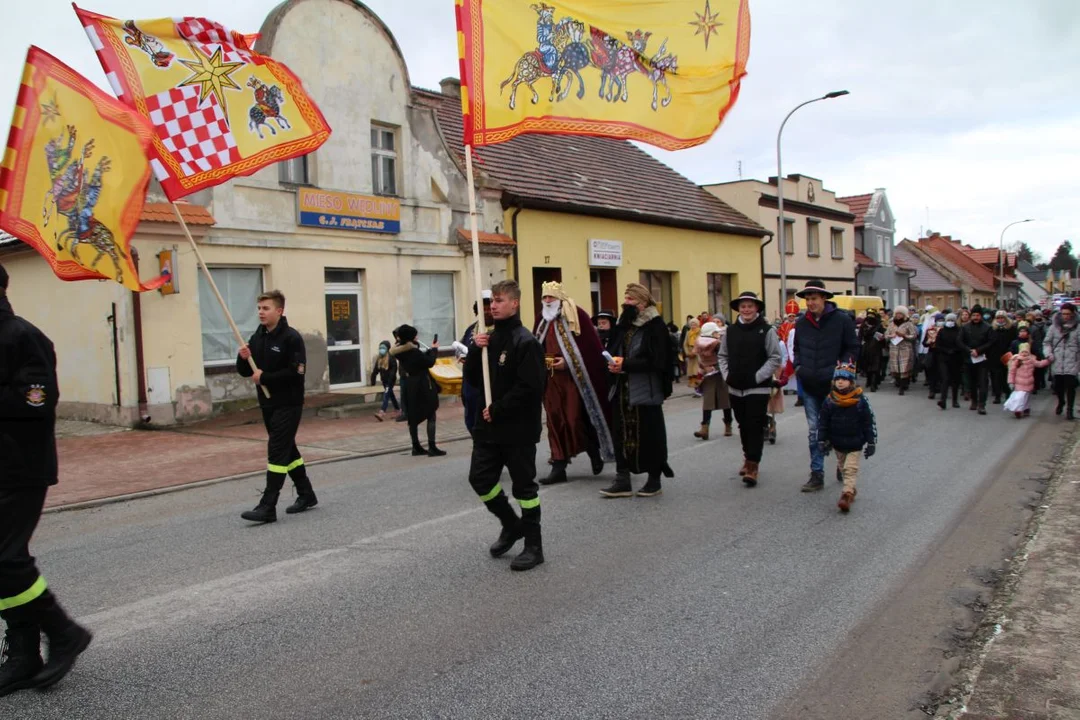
pixel 578 412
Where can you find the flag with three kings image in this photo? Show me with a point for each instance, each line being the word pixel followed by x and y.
pixel 664 73
pixel 74 176
pixel 219 109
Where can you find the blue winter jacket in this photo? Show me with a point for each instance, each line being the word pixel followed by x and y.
pixel 820 345
pixel 847 428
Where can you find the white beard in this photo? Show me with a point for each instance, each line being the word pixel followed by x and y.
pixel 550 311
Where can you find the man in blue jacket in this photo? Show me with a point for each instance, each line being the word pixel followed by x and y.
pixel 824 338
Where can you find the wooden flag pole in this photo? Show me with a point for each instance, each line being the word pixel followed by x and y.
pixel 217 293
pixel 478 286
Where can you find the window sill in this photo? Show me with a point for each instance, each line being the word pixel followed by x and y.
pixel 292 187
pixel 837 257
pixel 813 255
pixel 219 369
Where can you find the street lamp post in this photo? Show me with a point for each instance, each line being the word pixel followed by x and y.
pixel 780 195
pixel 1001 260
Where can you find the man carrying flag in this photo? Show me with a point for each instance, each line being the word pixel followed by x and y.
pixel 28 396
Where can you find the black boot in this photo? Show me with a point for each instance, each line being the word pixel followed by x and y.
pixel 596 459
pixel 651 488
pixel 305 495
pixel 21 659
pixel 432 450
pixel 417 448
pixel 533 553
pixel 816 481
pixel 620 488
pixel 266 510
pixel 511 525
pixel 955 398
pixel 67 640
pixel 557 474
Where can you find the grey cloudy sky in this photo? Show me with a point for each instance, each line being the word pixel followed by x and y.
pixel 966 111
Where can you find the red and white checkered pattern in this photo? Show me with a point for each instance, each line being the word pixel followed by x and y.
pixel 197 137
pixel 209 35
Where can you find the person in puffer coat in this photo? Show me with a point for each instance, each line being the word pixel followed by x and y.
pixel 847 425
pixel 1022 379
pixel 1062 349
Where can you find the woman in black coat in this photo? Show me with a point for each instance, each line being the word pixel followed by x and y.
pixel 871 341
pixel 950 360
pixel 420 394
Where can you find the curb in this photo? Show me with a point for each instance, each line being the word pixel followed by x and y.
pixel 99 502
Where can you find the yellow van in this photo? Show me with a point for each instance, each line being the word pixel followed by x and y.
pixel 857 304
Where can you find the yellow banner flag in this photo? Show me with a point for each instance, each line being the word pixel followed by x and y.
pixel 219 109
pixel 664 73
pixel 74 176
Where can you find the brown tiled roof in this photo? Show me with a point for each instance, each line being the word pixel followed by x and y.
pixel 163 212
pixel 859 204
pixel 926 278
pixel 983 256
pixel 951 253
pixel 486 238
pixel 590 176
pixel 864 260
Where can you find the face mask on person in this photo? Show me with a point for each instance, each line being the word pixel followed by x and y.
pixel 382 351
pixel 940 323
pixel 551 309
pixel 950 323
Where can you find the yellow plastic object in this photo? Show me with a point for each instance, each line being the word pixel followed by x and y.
pixel 855 303
pixel 447 375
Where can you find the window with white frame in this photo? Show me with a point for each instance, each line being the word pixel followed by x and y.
pixel 384 159
pixel 433 306
pixel 294 171
pixel 837 243
pixel 240 287
pixel 879 248
pixel 813 238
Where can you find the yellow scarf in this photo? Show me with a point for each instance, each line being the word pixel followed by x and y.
pixel 847 399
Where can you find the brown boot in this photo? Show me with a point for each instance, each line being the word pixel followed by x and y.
pixel 745 467
pixel 703 433
pixel 846 498
pixel 750 478
pixel 727 429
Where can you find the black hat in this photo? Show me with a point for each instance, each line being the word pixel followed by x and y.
pixel 3 278
pixel 977 309
pixel 406 333
pixel 815 286
pixel 604 314
pixel 748 296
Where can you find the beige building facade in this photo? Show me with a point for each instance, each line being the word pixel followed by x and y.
pixel 820 233
pixel 361 236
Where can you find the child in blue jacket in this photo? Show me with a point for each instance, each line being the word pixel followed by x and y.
pixel 847 424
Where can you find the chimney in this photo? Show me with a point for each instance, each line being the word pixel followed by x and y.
pixel 450 86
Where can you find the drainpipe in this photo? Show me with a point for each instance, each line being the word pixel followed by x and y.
pixel 768 239
pixel 136 311
pixel 116 352
pixel 514 235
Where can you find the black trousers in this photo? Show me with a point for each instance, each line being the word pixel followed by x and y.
pixel 980 380
pixel 750 412
pixel 1065 389
pixel 20 581
pixel 949 373
pixel 485 470
pixel 929 361
pixel 998 375
pixel 282 456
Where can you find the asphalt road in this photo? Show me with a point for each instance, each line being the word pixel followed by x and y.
pixel 710 601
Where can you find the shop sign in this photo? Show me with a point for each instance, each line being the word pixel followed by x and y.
pixel 605 253
pixel 347 211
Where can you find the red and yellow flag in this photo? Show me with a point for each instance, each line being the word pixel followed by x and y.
pixel 219 109
pixel 74 176
pixel 664 73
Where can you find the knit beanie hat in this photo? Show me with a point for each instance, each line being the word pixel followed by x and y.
pixel 847 372
pixel 951 317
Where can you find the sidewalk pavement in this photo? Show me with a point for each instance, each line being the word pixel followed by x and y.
pixel 99 463
pixel 1031 667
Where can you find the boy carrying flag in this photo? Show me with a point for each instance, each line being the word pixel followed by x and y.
pixel 847 424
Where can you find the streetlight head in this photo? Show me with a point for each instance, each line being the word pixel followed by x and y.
pixel 1030 220
pixel 836 94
